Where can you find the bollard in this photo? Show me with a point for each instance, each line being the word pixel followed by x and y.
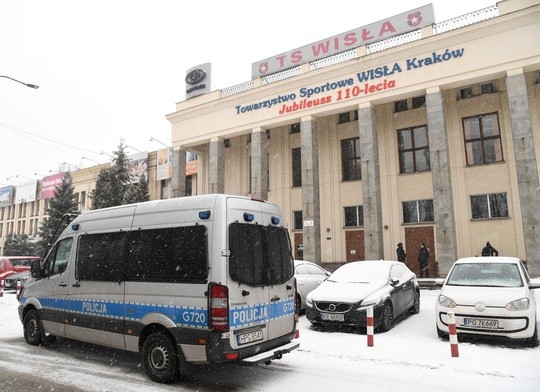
pixel 18 288
pixel 1 288
pixel 297 331
pixel 452 334
pixel 370 326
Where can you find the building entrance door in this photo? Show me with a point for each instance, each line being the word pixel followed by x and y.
pixel 414 236
pixel 354 245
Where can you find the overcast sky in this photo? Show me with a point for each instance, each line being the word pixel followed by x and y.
pixel 112 70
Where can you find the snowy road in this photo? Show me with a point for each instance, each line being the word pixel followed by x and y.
pixel 410 357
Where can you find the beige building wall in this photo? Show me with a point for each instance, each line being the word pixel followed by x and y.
pixel 491 51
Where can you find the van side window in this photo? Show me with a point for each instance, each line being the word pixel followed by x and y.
pixel 58 258
pixel 259 255
pixel 101 257
pixel 177 254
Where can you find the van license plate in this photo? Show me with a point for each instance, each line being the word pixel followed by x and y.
pixel 246 338
pixel 332 317
pixel 480 323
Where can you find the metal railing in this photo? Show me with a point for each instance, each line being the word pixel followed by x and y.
pixel 438 28
pixel 466 20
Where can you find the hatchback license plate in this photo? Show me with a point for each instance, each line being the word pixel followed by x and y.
pixel 332 317
pixel 481 323
pixel 249 337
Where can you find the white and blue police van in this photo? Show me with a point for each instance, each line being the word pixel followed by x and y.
pixel 191 280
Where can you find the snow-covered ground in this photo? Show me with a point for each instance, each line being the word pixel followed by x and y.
pixel 410 357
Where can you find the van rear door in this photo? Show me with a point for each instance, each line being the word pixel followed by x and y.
pixel 261 293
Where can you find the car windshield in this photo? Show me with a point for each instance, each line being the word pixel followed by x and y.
pixel 361 272
pixel 485 275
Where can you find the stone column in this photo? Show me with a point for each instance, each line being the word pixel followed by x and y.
pixel 259 164
pixel 216 166
pixel 526 166
pixel 310 190
pixel 178 179
pixel 371 184
pixel 443 203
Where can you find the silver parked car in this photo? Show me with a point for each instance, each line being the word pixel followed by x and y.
pixel 308 277
pixel 11 281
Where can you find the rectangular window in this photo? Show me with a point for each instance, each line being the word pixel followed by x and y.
pixel 189 185
pixel 295 128
pixel 351 165
pixel 418 102
pixel 297 219
pixel 100 257
pixel 418 211
pixel 177 254
pixel 482 139
pixel 487 88
pixel 344 118
pixel 413 147
pixel 354 216
pixel 296 167
pixel 260 255
pixel 465 93
pixel 400 106
pixel 490 206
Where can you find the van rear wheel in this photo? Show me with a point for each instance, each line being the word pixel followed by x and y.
pixel 160 359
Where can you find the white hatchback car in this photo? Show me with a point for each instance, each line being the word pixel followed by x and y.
pixel 489 296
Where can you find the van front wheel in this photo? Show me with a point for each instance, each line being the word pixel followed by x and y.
pixel 160 359
pixel 33 330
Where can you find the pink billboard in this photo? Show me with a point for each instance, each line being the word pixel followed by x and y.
pixel 49 184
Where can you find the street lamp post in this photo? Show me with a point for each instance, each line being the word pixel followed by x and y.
pixel 154 139
pixel 18 81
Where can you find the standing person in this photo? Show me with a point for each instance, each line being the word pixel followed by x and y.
pixel 423 260
pixel 489 250
pixel 401 255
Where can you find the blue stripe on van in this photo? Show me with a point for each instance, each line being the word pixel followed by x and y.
pixel 244 316
pixel 239 317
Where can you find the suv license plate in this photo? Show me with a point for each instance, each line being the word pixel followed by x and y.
pixel 480 323
pixel 332 317
pixel 246 338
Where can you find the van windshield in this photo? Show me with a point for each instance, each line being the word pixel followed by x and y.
pixel 260 255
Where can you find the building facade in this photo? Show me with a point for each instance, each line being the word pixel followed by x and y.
pixel 23 215
pixel 429 137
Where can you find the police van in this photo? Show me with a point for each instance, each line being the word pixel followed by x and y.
pixel 191 280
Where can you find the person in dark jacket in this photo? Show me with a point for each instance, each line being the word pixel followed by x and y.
pixel 423 260
pixel 401 255
pixel 489 250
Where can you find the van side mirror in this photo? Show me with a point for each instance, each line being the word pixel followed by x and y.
pixel 535 285
pixel 35 269
pixel 439 282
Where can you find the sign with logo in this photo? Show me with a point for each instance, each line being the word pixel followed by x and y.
pixel 49 184
pixel 6 196
pixel 26 192
pixel 164 164
pixel 137 166
pixel 378 31
pixel 362 83
pixel 198 80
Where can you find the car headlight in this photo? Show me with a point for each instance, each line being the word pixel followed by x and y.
pixel 371 300
pixel 446 302
pixel 518 304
